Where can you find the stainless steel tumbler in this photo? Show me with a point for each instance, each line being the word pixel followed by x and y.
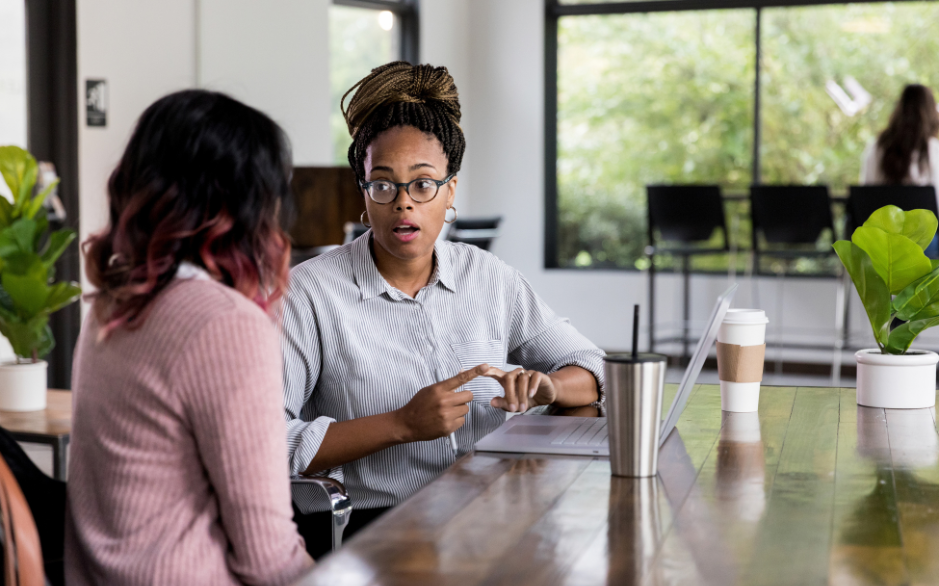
pixel 634 384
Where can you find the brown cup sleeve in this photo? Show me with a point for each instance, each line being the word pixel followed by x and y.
pixel 740 364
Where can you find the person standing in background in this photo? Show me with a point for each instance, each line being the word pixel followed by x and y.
pixel 907 151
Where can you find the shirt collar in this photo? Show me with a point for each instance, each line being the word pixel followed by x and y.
pixel 372 284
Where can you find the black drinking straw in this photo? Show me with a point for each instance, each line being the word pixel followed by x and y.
pixel 635 331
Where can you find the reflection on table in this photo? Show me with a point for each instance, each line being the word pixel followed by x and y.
pixel 812 489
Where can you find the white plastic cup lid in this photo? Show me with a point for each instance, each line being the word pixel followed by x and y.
pixel 745 317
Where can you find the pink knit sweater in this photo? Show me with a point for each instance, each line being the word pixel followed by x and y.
pixel 178 465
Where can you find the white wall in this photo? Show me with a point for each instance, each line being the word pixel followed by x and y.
pixel 144 50
pixel 272 55
pixel 445 39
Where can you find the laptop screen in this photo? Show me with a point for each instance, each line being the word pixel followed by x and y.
pixel 697 362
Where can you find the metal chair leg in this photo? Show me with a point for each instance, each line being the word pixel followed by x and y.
pixel 686 311
pixel 339 503
pixel 839 331
pixel 780 281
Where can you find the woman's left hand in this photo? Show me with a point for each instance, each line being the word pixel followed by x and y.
pixel 523 389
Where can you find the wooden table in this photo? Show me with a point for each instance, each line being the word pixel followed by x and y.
pixel 811 490
pixel 53 427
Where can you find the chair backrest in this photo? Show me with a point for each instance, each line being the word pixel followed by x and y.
pixel 685 213
pixel 476 231
pixel 864 200
pixel 46 499
pixel 22 552
pixel 790 214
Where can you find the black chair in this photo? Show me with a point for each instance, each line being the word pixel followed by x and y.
pixel 791 219
pixel 46 499
pixel 476 231
pixel 864 200
pixel 685 216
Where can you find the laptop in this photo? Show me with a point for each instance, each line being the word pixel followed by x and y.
pixel 588 436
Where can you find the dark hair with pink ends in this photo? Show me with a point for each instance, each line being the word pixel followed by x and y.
pixel 203 180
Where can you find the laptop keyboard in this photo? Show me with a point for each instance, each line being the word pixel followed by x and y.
pixel 588 433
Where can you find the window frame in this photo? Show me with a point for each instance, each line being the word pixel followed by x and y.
pixel 408 12
pixel 554 10
pixel 52 135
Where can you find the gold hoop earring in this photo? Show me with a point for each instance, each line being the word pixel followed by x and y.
pixel 454 215
pixel 362 220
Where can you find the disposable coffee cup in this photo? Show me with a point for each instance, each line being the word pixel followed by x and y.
pixel 741 350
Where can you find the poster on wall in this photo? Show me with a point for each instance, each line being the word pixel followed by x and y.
pixel 96 102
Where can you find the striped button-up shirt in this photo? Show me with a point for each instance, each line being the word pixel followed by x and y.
pixel 355 346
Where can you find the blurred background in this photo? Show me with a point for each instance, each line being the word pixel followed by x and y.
pixel 570 109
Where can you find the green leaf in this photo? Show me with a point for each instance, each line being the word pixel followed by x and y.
pixel 42 227
pixel 917 225
pixel 898 260
pixel 15 165
pixel 6 212
pixel 45 342
pixel 28 291
pixel 6 304
pixel 62 294
pixel 21 263
pixel 920 299
pixel 23 234
pixel 870 287
pixel 903 335
pixel 58 242
pixel 27 335
pixel 21 200
pixel 36 204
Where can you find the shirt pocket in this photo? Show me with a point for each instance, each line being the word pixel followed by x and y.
pixel 472 354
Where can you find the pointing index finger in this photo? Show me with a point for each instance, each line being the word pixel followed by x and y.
pixel 464 377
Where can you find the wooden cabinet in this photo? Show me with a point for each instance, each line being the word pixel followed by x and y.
pixel 325 199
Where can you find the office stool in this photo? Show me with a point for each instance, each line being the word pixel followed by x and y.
pixel 476 231
pixel 788 216
pixel 686 215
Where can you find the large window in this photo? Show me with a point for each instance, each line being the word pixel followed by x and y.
pixel 668 95
pixel 362 36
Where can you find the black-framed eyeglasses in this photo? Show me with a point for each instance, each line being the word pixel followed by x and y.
pixel 420 190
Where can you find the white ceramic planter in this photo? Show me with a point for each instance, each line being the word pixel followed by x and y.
pixel 896 381
pixel 23 386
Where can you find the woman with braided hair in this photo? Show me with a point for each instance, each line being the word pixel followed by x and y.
pixel 395 344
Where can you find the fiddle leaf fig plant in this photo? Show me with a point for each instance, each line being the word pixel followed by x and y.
pixel 893 276
pixel 28 293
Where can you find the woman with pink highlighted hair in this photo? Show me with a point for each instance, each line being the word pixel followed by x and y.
pixel 177 472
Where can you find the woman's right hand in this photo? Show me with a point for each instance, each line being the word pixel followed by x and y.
pixel 437 411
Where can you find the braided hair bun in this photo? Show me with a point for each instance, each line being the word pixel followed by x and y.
pixel 401 94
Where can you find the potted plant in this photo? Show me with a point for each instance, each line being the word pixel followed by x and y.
pixel 899 288
pixel 28 295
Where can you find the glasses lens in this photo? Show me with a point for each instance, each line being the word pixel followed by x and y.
pixel 383 191
pixel 423 190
